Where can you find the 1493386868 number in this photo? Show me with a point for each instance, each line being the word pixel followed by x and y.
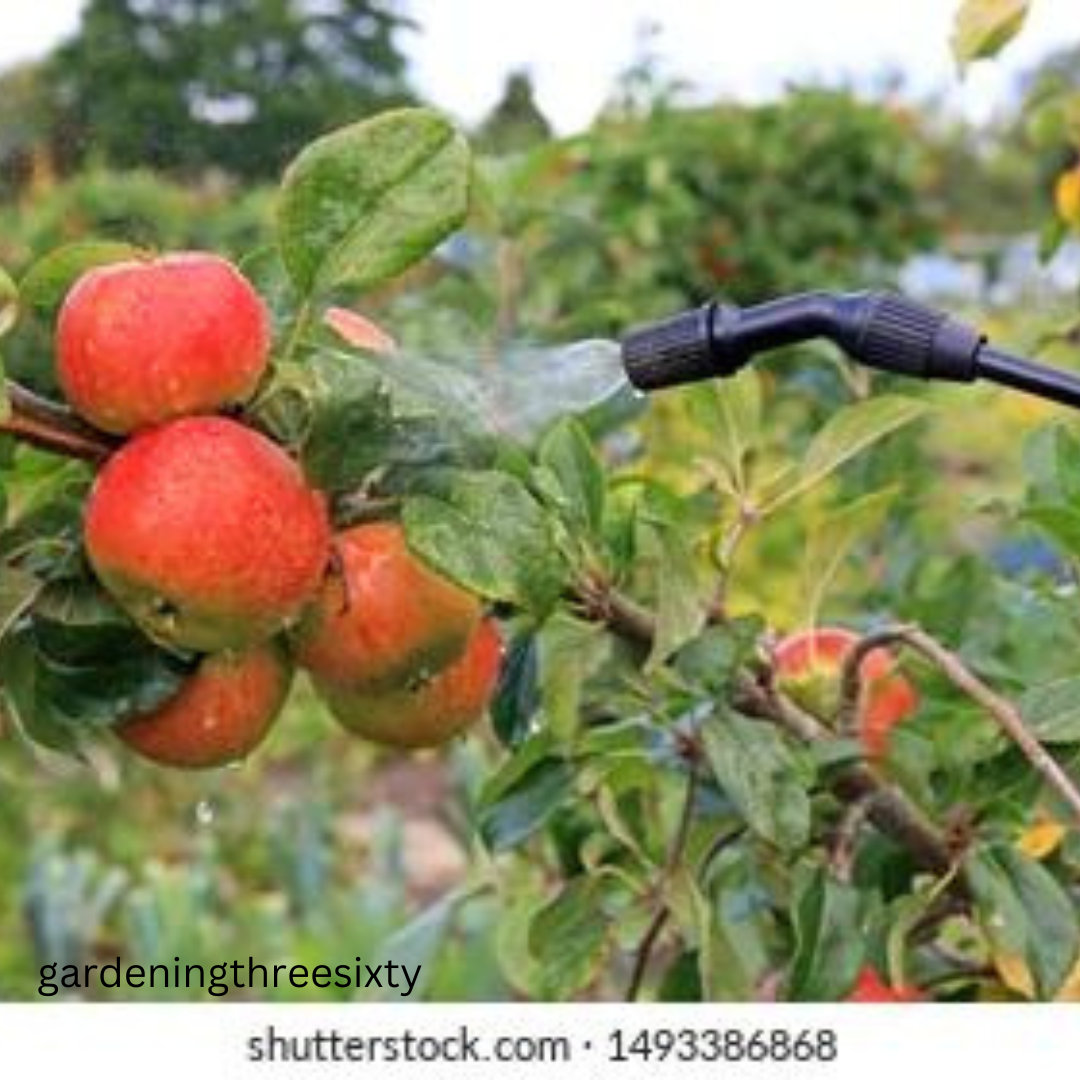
pixel 723 1044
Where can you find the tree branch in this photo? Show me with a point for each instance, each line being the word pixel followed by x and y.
pixel 624 617
pixel 1002 711
pixel 48 426
pixel 891 812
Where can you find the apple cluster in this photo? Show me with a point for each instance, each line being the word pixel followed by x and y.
pixel 209 536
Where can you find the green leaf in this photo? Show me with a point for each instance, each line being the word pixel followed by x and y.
pixel 710 660
pixel 485 531
pixel 1051 458
pixel 829 947
pixel 726 955
pixel 354 415
pixel 568 455
pixel 983 27
pixel 570 651
pixel 682 980
pixel 517 801
pixel 762 776
pixel 419 942
pixel 517 698
pixel 362 204
pixel 1052 234
pixel 1052 711
pixel 1060 523
pixel 18 590
pixel 569 937
pixel 75 662
pixel 830 542
pixel 266 272
pixel 682 589
pixel 49 280
pixel 45 537
pixel 846 435
pixel 730 410
pixel 358 415
pixel 1026 911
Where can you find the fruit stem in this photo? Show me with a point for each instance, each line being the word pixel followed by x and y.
pixel 48 426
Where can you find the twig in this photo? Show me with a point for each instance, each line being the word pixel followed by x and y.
pixel 627 619
pixel 645 949
pixel 48 426
pixel 844 841
pixel 1002 711
pixel 663 912
pixel 747 516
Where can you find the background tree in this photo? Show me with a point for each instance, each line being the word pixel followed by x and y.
pixel 240 84
pixel 25 126
pixel 516 122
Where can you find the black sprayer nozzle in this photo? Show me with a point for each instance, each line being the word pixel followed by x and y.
pixel 880 329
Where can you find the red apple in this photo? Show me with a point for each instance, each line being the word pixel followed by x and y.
pixel 871 988
pixel 207 534
pixel 139 343
pixel 808 667
pixel 221 713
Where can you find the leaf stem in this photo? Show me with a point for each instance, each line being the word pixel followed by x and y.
pixel 300 323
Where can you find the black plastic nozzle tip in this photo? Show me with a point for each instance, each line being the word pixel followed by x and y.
pixel 672 351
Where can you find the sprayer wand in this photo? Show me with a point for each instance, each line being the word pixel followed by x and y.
pixel 880 329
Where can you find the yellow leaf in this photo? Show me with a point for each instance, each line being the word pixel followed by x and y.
pixel 984 27
pixel 1067 197
pixel 1041 839
pixel 1014 973
pixel 1070 989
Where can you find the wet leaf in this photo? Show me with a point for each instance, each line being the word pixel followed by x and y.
pixel 362 204
pixel 522 796
pixel 396 416
pixel 1052 711
pixel 485 531
pixel 580 489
